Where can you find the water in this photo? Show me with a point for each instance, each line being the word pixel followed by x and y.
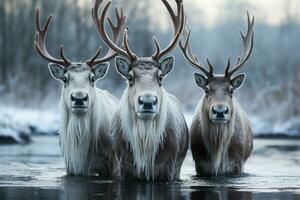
pixel 36 171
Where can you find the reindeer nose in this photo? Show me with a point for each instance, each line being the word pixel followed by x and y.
pixel 148 101
pixel 220 111
pixel 79 98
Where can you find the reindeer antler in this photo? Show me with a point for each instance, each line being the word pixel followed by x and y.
pixel 40 42
pixel 241 61
pixel 248 47
pixel 116 30
pixel 99 22
pixel 178 23
pixel 191 58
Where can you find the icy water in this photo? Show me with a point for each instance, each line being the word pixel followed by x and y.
pixel 36 171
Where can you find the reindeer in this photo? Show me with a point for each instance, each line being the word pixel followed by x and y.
pixel 221 136
pixel 149 129
pixel 86 111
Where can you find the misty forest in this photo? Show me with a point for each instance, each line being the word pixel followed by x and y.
pixel 270 95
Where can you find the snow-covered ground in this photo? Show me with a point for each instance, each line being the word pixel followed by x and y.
pixel 289 127
pixel 17 125
pixel 12 131
pixel 41 122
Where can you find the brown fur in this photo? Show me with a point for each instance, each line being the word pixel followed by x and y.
pixel 105 161
pixel 168 159
pixel 234 154
pixel 221 136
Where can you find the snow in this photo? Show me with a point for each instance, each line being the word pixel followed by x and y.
pixel 289 127
pixel 39 121
pixel 11 131
pixel 262 126
pixel 17 125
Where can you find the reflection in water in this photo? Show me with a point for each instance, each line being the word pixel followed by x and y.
pixel 21 193
pixel 150 191
pixel 219 194
pixel 36 171
pixel 78 188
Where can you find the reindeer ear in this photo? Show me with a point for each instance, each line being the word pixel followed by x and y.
pixel 200 80
pixel 122 66
pixel 100 70
pixel 167 65
pixel 237 81
pixel 57 71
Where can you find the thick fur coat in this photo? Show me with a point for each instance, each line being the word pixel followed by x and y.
pixel 220 148
pixel 150 149
pixel 85 139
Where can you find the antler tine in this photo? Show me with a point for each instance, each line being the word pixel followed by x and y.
pixel 157 48
pixel 99 22
pixel 61 51
pixel 171 12
pixel 130 54
pixel 188 54
pixel 93 60
pixel 116 30
pixel 211 69
pixel 228 66
pixel 178 23
pixel 40 42
pixel 248 41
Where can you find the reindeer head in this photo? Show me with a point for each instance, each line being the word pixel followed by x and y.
pixel 78 78
pixel 145 78
pixel 219 88
pixel 144 75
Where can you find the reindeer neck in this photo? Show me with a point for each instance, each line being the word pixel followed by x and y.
pixel 143 137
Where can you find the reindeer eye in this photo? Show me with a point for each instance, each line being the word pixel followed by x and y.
pixel 129 77
pixel 160 79
pixel 93 79
pixel 206 90
pixel 231 91
pixel 65 80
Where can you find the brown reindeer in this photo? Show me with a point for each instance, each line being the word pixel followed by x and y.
pixel 86 111
pixel 221 136
pixel 149 129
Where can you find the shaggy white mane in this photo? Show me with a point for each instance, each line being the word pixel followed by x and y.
pixel 79 135
pixel 144 137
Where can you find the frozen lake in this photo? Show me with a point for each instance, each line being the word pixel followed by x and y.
pixel 36 171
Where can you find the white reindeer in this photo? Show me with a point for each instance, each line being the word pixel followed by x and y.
pixel 149 129
pixel 86 112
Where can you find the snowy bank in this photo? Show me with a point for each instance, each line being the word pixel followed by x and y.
pixel 262 127
pixel 13 132
pixel 17 125
pixel 40 122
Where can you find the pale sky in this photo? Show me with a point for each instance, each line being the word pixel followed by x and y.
pixel 272 12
